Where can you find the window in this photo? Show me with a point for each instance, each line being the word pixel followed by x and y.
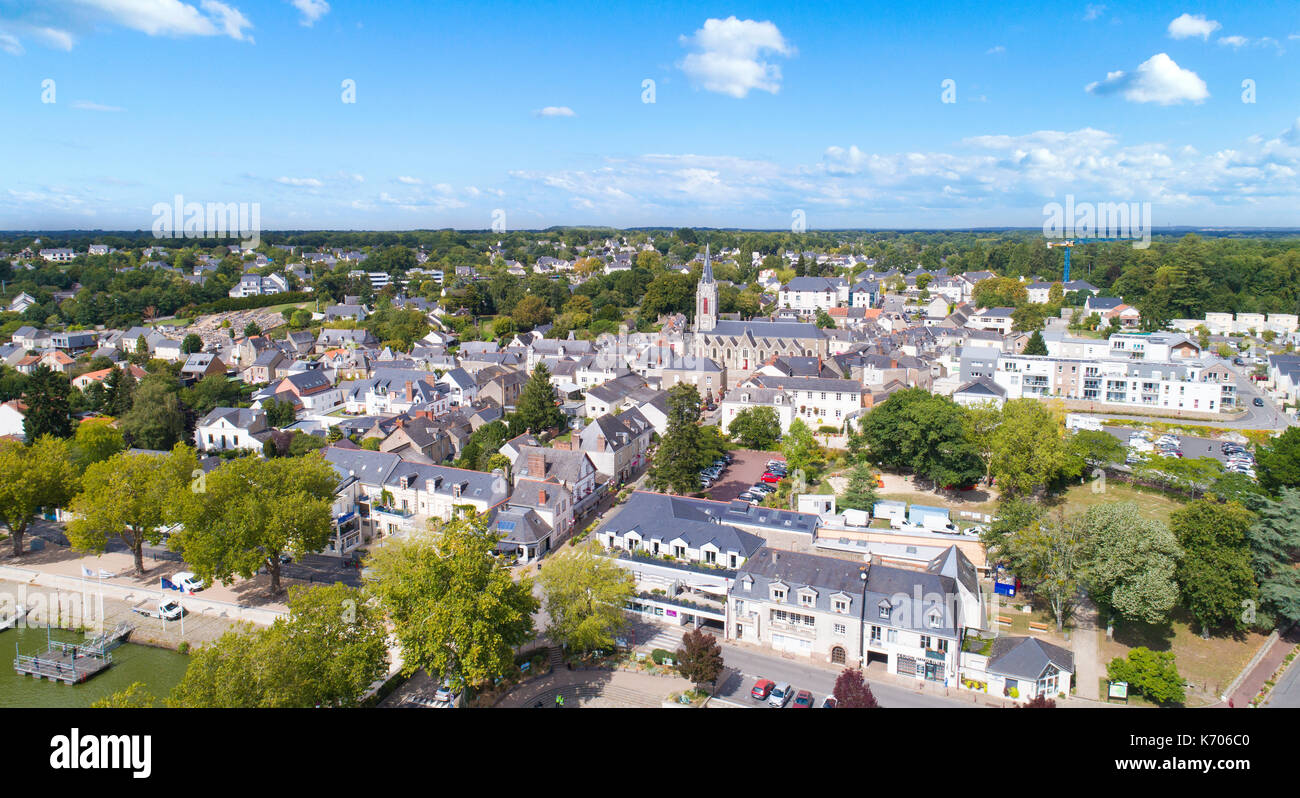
pixel 778 594
pixel 925 641
pixel 884 608
pixel 935 620
pixel 841 606
pixel 875 634
pixel 841 629
pixel 807 600
pixel 891 636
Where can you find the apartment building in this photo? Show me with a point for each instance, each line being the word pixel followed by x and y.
pixel 1191 385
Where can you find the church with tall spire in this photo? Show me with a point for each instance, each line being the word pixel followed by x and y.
pixel 742 346
pixel 706 298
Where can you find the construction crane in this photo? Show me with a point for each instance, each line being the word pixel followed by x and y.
pixel 1069 243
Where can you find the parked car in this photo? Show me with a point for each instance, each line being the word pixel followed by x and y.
pixel 170 609
pixel 802 700
pixel 781 695
pixel 762 689
pixel 829 702
pixel 770 477
pixel 445 694
pixel 763 488
pixel 188 582
pixel 1258 402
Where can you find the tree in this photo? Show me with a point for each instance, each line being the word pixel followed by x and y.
pixel 924 433
pixel 1048 556
pixel 1215 573
pixel 824 320
pixel 32 477
pixel 1278 461
pixel 1029 449
pixel 156 419
pixel 96 440
pixel 755 428
pixel 800 448
pixel 252 330
pixel 530 311
pixel 329 650
pixel 536 407
pixel 251 511
pixel 135 696
pixel 192 343
pixel 852 691
pixel 679 458
pixel 1096 448
pixel 1014 514
pixel 455 608
pixel 1036 344
pixel 584 594
pixel 1275 548
pixel 1129 562
pixel 49 411
pixel 119 391
pixel 860 493
pixel 1149 673
pixel 127 496
pixel 700 657
pixel 1000 292
pixel 278 413
pixel 980 423
pixel 1039 701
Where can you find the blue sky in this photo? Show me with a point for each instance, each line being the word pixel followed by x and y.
pixel 536 109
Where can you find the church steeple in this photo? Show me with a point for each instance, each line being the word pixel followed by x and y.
pixel 706 298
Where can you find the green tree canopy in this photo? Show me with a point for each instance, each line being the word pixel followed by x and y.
pixel 455 608
pixel 1215 574
pixel 585 594
pixel 127 497
pixel 755 428
pixel 536 408
pixel 32 477
pixel 1129 562
pixel 245 514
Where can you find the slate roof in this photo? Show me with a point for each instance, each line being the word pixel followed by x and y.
pixel 1027 657
pixel 665 518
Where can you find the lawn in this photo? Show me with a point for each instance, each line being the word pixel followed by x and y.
pixel 1209 665
pixel 1152 504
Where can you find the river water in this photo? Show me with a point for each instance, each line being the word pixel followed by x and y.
pixel 159 668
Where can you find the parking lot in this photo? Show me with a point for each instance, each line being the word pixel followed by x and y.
pixel 743 472
pixel 1191 447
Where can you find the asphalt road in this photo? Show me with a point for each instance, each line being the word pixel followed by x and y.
pixel 745 666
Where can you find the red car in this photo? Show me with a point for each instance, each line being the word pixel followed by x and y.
pixel 762 688
pixel 802 700
pixel 770 477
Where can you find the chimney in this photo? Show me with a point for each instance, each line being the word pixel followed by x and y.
pixel 537 464
pixel 600 442
pixel 410 393
pixel 541 497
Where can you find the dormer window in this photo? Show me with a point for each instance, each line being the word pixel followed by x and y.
pixel 807 598
pixel 840 605
pixel 885 608
pixel 935 618
pixel 778 593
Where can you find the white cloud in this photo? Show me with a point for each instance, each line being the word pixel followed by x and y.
pixel 1187 26
pixel 995 50
pixel 89 106
pixel 154 17
pixel 1156 80
pixel 410 181
pixel 729 55
pixel 10 44
pixel 311 10
pixel 301 182
pixel 1233 41
pixel 1093 12
pixel 53 37
pixel 555 110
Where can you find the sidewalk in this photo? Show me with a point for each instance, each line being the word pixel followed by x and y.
pixel 653 688
pixel 1084 640
pixel 1263 670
